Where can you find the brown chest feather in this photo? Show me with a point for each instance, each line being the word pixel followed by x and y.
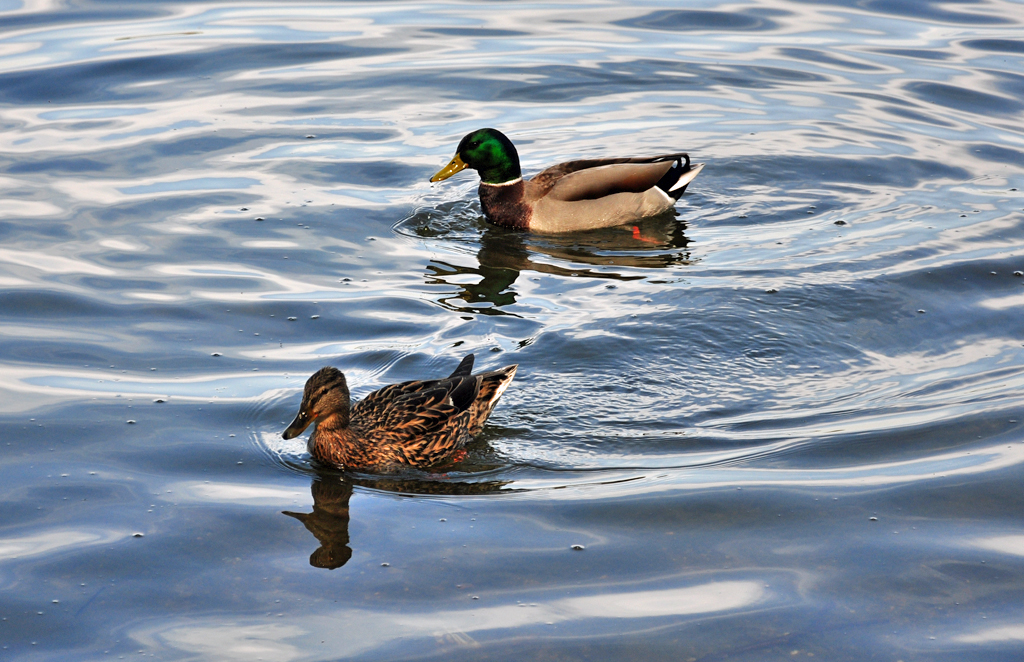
pixel 505 205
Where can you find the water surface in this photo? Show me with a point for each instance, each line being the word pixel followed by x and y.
pixel 783 422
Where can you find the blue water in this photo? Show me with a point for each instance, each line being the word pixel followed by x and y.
pixel 784 423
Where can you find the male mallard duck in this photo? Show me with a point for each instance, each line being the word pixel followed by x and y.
pixel 418 423
pixel 577 195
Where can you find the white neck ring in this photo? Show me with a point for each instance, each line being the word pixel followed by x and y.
pixel 508 183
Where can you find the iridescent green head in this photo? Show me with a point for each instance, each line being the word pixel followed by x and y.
pixel 488 152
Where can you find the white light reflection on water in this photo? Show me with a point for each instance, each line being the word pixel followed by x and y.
pixel 1004 303
pixel 1013 544
pixel 55 541
pixel 347 632
pixel 995 635
pixel 52 264
pixel 243 494
pixel 285 288
pixel 867 476
pixel 233 641
pixel 243 385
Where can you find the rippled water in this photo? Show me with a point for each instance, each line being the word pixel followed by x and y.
pixel 784 423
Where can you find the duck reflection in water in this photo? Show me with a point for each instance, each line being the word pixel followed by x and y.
pixel 656 243
pixel 328 522
pixel 330 517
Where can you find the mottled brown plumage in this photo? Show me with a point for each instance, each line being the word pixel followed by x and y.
pixel 417 423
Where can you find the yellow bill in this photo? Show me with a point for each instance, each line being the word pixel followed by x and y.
pixel 453 167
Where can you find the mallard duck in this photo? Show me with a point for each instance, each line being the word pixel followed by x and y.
pixel 417 423
pixel 577 195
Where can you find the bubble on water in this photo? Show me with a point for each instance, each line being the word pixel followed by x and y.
pixel 292 319
pixel 577 548
pixel 873 519
pixel 130 421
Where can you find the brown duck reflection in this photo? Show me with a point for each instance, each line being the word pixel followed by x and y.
pixel 331 493
pixel 328 522
pixel 656 243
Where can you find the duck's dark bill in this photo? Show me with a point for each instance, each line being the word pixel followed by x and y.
pixel 301 422
pixel 453 167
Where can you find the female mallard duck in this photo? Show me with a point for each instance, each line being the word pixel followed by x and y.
pixel 577 195
pixel 419 423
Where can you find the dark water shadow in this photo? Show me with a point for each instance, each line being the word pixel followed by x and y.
pixel 691 20
pixel 332 491
pixel 933 11
pixel 963 99
pixel 106 80
pixel 503 255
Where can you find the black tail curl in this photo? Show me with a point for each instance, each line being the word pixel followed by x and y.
pixel 672 176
